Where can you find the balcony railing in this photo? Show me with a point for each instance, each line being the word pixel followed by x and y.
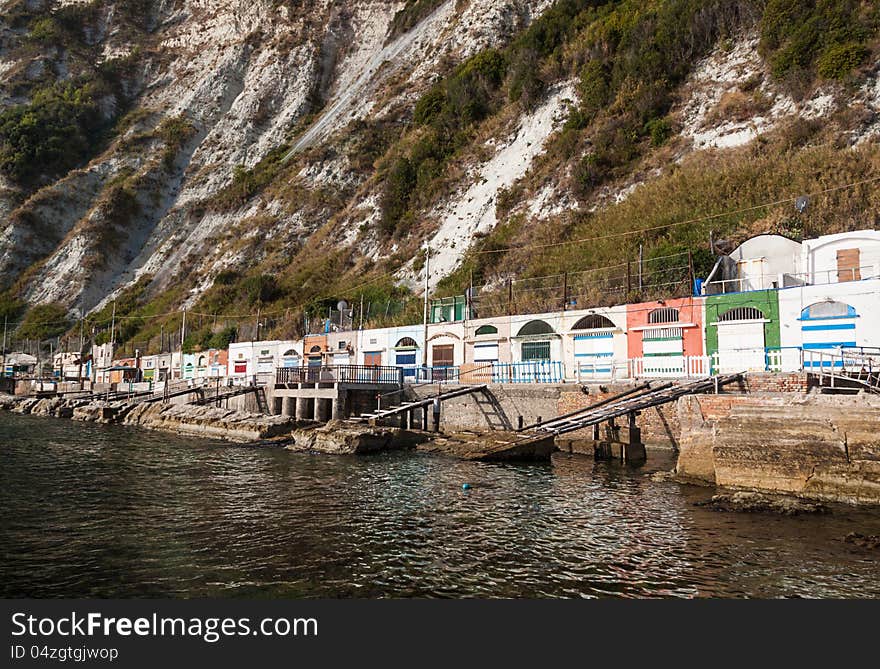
pixel 355 374
pixel 786 280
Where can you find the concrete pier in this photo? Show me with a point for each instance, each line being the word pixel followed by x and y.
pixel 325 401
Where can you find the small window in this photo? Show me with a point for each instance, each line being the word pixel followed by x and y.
pixel 828 309
pixel 848 265
pixel 535 328
pixel 315 349
pixel 593 322
pixel 407 342
pixel 535 350
pixel 664 315
pixel 443 355
pixel 486 330
pixel 406 359
pixel 290 352
pixel 741 314
pixel 661 334
pixel 343 345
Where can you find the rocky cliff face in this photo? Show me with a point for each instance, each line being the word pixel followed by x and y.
pixel 229 135
pixel 245 78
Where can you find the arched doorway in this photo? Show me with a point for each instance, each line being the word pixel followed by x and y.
pixel 741 343
pixel 593 338
pixel 826 326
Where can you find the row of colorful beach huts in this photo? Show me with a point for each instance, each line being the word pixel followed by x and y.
pixel 773 304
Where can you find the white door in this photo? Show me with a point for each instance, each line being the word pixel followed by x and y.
pixel 741 347
pixel 594 353
pixel 663 351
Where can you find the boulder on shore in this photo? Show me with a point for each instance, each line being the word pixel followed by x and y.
pixel 210 422
pixel 351 438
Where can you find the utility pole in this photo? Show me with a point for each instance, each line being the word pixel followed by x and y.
pixel 691 277
pixel 640 267
pixel 564 291
pixel 113 332
pixel 3 368
pixel 425 310
pixel 362 312
pixel 182 336
pixel 469 302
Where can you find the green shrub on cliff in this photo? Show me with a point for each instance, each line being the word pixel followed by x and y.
pixel 50 135
pixel 44 321
pixel 828 37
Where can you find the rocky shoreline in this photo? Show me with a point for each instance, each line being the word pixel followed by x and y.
pixel 355 438
pixel 242 427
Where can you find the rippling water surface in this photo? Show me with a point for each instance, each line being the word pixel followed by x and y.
pixel 109 511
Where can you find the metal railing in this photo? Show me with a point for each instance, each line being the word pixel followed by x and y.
pixel 533 371
pixel 356 374
pixel 787 280
pixel 843 365
pixel 470 373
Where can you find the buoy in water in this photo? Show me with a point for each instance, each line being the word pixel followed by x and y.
pixel 466 486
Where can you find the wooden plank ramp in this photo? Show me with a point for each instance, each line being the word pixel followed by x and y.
pixel 418 404
pixel 645 399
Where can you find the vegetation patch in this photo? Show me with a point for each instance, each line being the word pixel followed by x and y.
pixel 826 37
pixel 44 321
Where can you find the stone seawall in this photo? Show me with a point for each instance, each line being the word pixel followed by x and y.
pixel 505 403
pixel 815 446
pixel 499 409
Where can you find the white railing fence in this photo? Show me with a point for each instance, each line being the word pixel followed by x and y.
pixel 786 280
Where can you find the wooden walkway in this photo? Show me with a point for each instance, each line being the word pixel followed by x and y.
pixel 631 402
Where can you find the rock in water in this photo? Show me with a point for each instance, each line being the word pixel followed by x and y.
pixel 863 540
pixel 754 502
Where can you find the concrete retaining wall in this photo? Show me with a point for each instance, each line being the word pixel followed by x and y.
pixel 660 426
pixel 816 446
pixel 498 410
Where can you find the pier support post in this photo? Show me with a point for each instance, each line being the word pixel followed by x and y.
pixel 339 406
pixel 304 408
pixel 323 409
pixel 288 406
pixel 634 450
pixel 425 418
pixel 436 408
